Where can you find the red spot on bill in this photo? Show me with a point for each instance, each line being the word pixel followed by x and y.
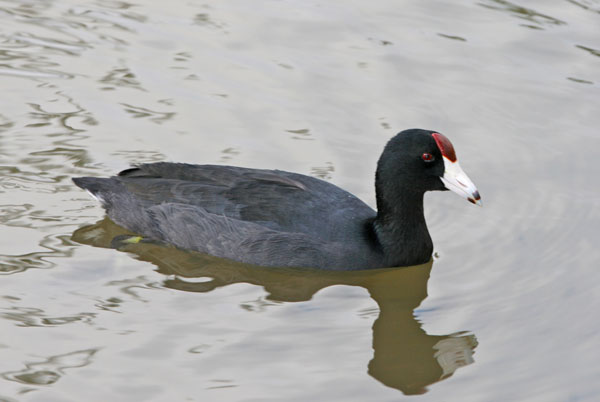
pixel 445 146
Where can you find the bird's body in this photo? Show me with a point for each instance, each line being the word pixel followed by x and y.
pixel 272 217
pixel 239 213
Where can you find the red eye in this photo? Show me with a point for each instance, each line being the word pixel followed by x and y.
pixel 427 157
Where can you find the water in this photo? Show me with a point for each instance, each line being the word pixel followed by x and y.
pixel 505 312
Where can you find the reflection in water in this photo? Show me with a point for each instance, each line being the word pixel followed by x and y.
pixel 36 317
pixel 593 52
pixel 121 77
pixel 580 81
pixel 405 356
pixel 228 154
pixel 61 120
pixel 108 16
pixel 73 48
pixel 68 32
pixel 301 134
pixel 142 112
pixel 136 156
pixel 384 123
pixel 527 14
pixel 204 19
pixel 590 5
pixel 453 37
pixel 55 245
pixel 323 172
pixel 50 370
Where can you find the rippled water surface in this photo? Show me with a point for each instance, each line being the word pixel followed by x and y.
pixel 508 309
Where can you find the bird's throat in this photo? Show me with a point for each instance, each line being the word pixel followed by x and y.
pixel 401 230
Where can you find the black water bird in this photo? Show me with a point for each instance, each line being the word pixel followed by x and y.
pixel 277 218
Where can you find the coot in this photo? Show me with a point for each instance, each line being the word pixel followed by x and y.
pixel 277 218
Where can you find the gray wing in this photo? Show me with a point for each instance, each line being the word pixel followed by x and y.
pixel 193 228
pixel 277 200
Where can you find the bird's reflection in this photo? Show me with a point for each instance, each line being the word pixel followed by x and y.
pixel 405 356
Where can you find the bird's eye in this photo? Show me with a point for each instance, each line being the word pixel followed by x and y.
pixel 427 157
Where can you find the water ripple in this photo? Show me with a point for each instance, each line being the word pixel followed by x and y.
pixel 153 115
pixel 121 77
pixel 32 72
pixel 51 369
pixel 58 31
pixel 57 246
pixel 36 317
pixel 589 5
pixel 528 14
pixel 27 40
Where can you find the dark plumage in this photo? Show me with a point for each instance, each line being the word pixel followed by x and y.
pixel 277 218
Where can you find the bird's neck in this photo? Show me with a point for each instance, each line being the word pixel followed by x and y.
pixel 401 229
